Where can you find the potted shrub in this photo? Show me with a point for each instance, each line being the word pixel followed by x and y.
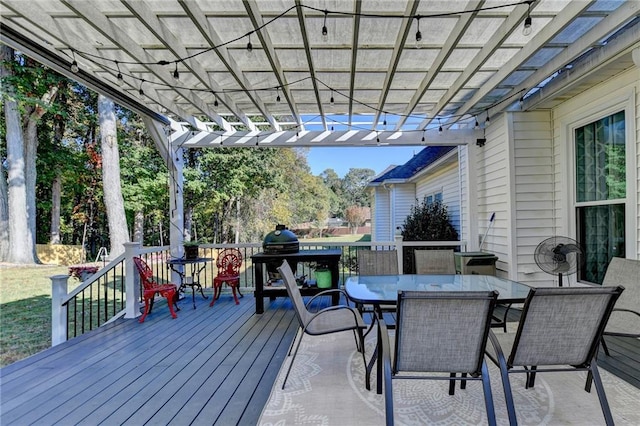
pixel 191 249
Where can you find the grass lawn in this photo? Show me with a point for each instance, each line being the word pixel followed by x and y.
pixel 25 310
pixel 352 238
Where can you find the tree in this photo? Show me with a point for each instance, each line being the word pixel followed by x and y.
pixel 336 195
pixel 354 185
pixel 356 216
pixel 113 201
pixel 23 110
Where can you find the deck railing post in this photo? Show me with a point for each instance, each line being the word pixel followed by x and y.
pixel 59 313
pixel 399 249
pixel 132 289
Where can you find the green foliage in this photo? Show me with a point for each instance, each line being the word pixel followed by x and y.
pixel 354 186
pixel 426 222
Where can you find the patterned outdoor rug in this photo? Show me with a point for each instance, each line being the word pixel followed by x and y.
pixel 326 387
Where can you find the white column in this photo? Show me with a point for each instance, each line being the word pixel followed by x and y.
pixel 131 281
pixel 399 249
pixel 58 312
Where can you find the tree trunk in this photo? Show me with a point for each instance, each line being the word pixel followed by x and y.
pixel 188 221
pixel 20 239
pixel 138 226
pixel 4 216
pixel 113 201
pixel 56 190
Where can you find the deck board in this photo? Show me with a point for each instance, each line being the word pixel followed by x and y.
pixel 209 366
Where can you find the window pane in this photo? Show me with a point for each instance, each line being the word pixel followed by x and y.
pixel 601 232
pixel 600 160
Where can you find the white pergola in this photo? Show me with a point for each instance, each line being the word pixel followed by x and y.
pixel 368 72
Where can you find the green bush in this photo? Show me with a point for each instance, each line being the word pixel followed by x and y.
pixel 426 222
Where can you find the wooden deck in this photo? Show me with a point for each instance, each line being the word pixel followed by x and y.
pixel 209 366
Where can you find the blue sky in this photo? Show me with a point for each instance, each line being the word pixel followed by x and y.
pixel 341 160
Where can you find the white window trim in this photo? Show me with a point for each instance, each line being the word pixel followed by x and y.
pixel 582 117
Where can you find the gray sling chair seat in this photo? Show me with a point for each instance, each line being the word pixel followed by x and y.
pixel 439 332
pixel 332 319
pixel 560 328
pixel 625 318
pixel 435 262
pixel 377 262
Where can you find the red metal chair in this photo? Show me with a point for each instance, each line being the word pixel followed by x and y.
pixel 228 263
pixel 151 288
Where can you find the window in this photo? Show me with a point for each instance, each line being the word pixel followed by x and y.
pixel 600 193
pixel 435 197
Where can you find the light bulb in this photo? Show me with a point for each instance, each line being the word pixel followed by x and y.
pixel 325 34
pixel 74 67
pixel 120 79
pixel 526 30
pixel 176 74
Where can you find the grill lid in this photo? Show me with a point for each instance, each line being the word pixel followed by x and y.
pixel 280 241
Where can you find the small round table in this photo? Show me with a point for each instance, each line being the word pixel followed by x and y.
pixel 191 279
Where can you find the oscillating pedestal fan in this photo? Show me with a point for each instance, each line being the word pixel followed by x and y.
pixel 558 255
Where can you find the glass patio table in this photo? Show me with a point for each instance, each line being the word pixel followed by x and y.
pixel 379 290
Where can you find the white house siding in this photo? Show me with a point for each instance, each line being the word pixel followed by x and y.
pixel 493 182
pixel 404 199
pixel 620 92
pixel 533 216
pixel 443 180
pixel 465 207
pixel 380 215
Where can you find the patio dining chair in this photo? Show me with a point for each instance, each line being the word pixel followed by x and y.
pixel 150 288
pixel 377 262
pixel 560 329
pixel 332 319
pixel 435 262
pixel 625 318
pixel 228 263
pixel 439 332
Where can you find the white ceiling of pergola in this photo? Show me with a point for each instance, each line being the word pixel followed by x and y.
pixel 383 83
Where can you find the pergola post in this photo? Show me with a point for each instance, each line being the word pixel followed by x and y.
pixel 165 139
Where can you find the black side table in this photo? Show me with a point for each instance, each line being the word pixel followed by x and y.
pixel 329 257
pixel 192 277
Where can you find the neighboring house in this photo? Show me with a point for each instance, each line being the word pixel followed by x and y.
pixel 431 173
pixel 567 164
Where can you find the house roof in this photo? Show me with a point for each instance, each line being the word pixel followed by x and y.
pixel 418 162
pixel 370 72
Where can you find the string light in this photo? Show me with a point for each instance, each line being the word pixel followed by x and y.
pixel 423 135
pixel 176 74
pixel 331 101
pixel 521 102
pixel 526 30
pixel 418 33
pixel 278 97
pixel 325 32
pixel 119 76
pixel 487 122
pixel 140 91
pixel 249 46
pixel 74 64
pixel 477 125
pixel 215 101
pixel 440 126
